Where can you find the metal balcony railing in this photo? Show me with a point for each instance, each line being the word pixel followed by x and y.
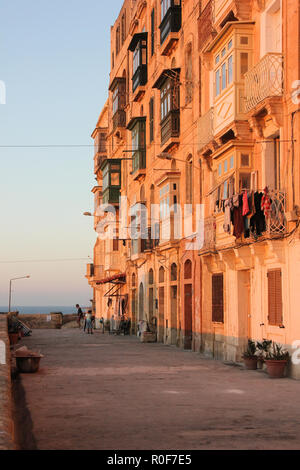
pixel 277 223
pixel 265 80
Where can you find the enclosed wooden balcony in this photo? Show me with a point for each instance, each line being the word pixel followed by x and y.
pixel 264 80
pixel 170 129
pixel 90 270
pixel 170 27
pixel 119 119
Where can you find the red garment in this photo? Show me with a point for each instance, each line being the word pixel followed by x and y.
pixel 266 203
pixel 246 209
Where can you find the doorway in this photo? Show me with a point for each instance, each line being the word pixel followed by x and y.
pixel 188 316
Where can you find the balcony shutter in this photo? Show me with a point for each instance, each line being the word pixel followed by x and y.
pixel 275 297
pixel 217 298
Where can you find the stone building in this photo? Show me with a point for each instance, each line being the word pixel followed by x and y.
pixel 202 124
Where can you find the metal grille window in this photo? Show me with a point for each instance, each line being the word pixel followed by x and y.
pixel 218 298
pixel 275 297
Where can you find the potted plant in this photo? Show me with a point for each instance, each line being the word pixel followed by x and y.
pixel 250 357
pixel 276 361
pixel 13 329
pixel 263 348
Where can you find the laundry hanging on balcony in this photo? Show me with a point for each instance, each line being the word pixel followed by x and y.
pixel 251 213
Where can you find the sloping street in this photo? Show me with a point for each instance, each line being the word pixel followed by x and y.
pixel 114 393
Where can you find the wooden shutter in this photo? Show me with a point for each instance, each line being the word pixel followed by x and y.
pixel 151 119
pixel 275 297
pixel 217 298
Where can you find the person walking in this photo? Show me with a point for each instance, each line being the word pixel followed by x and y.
pixel 79 315
pixel 89 322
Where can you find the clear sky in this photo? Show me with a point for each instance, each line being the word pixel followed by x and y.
pixel 54 60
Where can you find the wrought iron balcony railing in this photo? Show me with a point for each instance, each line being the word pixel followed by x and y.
pixel 264 80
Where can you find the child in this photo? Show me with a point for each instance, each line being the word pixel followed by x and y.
pixel 89 322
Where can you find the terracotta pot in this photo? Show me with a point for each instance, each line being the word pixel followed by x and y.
pixel 28 365
pixel 13 338
pixel 276 369
pixel 250 363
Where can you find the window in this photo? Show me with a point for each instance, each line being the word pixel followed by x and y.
pixel 188 269
pixel 217 298
pixel 244 63
pixel 115 244
pixel 275 315
pixel 189 181
pixel 161 275
pixel 170 18
pixel 169 98
pixel 151 277
pixel 111 175
pixel 224 69
pixel 138 46
pixel 188 74
pixel 152 32
pixel 173 272
pixel 137 126
pixel 118 40
pixel 151 119
pixel 123 28
pixel 164 5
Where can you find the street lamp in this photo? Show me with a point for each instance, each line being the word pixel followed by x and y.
pixel 10 282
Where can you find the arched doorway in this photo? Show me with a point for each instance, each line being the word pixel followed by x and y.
pixel 141 302
pixel 161 305
pixel 173 303
pixel 188 305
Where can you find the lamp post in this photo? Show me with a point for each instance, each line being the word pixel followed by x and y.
pixel 10 284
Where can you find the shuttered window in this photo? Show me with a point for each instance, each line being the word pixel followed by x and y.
pixel 275 297
pixel 217 298
pixel 151 119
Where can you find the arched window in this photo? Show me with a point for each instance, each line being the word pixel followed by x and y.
pixel 188 269
pixel 189 73
pixel 189 180
pixel 142 194
pixel 133 280
pixel 174 272
pixel 161 275
pixel 151 277
pixel 152 195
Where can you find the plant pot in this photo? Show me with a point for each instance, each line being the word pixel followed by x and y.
pixel 250 363
pixel 276 369
pixel 28 364
pixel 13 338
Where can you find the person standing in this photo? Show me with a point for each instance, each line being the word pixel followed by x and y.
pixel 89 322
pixel 79 315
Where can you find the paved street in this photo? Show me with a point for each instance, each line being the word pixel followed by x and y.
pixel 114 393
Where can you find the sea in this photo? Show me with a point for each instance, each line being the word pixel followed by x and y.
pixel 66 310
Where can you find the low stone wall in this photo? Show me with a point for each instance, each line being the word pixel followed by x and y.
pixel 41 322
pixel 69 318
pixel 6 421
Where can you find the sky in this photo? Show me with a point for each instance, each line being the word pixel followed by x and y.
pixel 54 62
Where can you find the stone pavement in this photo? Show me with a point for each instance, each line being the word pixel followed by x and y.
pixel 114 393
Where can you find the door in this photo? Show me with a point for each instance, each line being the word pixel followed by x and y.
pixel 188 316
pixel 244 307
pixel 173 314
pixel 161 314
